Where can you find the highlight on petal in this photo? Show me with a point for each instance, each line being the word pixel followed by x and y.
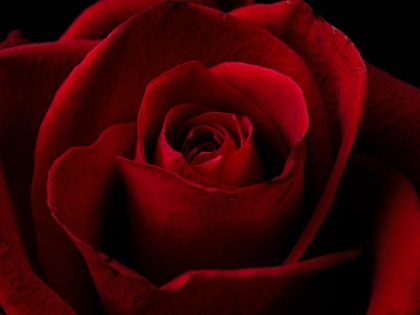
pixel 388 206
pixel 22 292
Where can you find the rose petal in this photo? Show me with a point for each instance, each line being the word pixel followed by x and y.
pixel 122 290
pixel 277 95
pixel 192 83
pixel 228 164
pixel 389 207
pixel 341 77
pixel 276 290
pixel 100 19
pixel 22 292
pixel 170 159
pixel 178 225
pixel 29 77
pixel 87 216
pixel 390 130
pixel 238 168
pixel 94 219
pixel 107 88
pixel 10 227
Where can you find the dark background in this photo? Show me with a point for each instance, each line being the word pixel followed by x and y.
pixel 385 34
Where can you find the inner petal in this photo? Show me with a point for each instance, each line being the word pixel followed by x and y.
pixel 201 139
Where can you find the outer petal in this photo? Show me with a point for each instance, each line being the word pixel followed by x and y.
pixel 107 88
pixel 390 130
pixel 389 208
pixel 22 292
pixel 96 219
pixel 277 290
pixel 97 21
pixel 29 77
pixel 340 75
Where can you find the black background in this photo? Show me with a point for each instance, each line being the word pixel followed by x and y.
pixel 386 34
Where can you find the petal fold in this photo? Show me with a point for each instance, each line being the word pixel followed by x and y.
pixel 29 77
pixel 390 130
pixel 100 19
pixel 388 207
pixel 107 88
pixel 340 75
pixel 95 219
pixel 22 292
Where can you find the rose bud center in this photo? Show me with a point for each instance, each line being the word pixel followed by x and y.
pixel 213 146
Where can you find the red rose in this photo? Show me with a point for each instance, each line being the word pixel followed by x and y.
pixel 189 161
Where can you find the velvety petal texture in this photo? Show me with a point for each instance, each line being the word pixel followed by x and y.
pixel 278 125
pixel 97 182
pixel 31 74
pixel 107 88
pixel 95 221
pixel 115 79
pixel 191 226
pixel 165 157
pixel 22 292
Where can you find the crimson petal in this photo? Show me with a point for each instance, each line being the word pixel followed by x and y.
pixel 22 292
pixel 107 87
pixel 341 77
pixel 29 76
pixel 91 174
pixel 166 156
pixel 276 290
pixel 179 225
pixel 124 291
pixel 226 164
pixel 389 207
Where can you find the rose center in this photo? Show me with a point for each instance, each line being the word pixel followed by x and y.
pixel 199 141
pixel 212 148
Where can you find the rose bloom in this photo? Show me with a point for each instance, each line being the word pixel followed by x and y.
pixel 171 158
